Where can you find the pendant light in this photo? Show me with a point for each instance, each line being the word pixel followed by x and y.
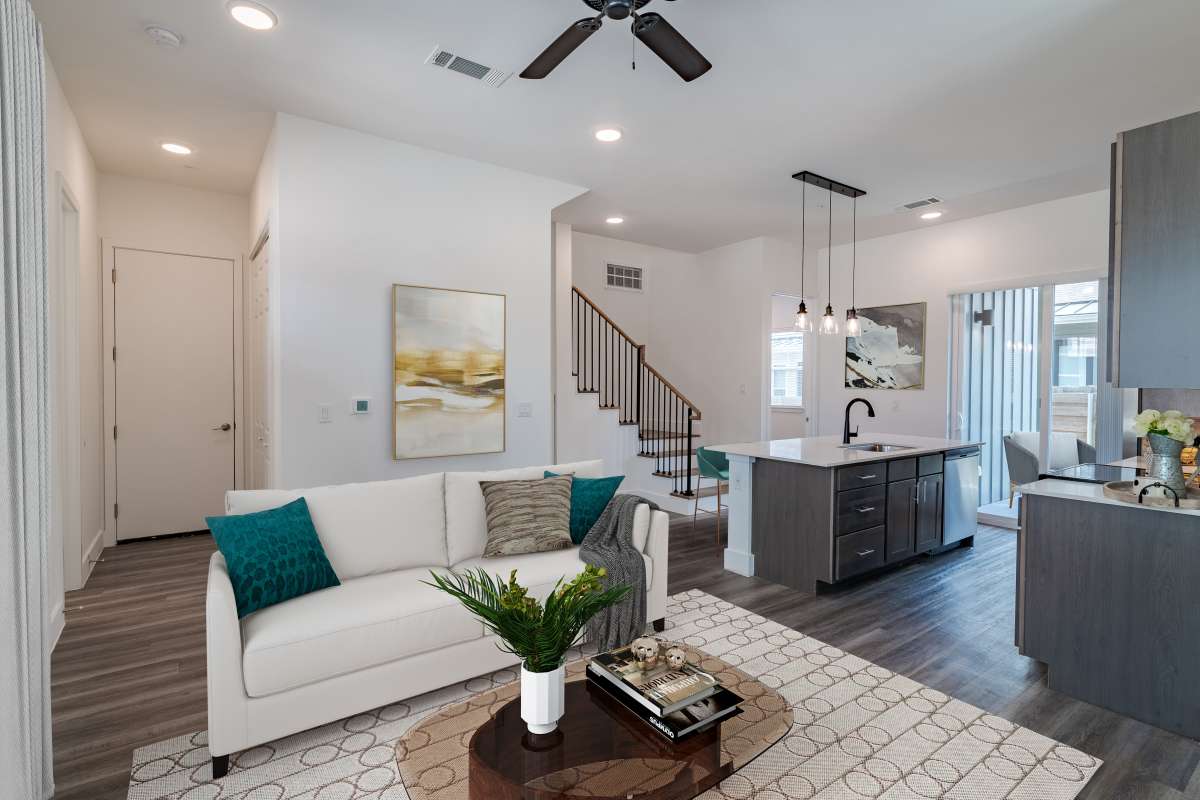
pixel 803 323
pixel 853 327
pixel 829 323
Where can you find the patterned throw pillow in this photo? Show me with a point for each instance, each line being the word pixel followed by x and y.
pixel 272 555
pixel 527 516
pixel 589 498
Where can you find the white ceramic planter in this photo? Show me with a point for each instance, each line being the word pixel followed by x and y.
pixel 543 699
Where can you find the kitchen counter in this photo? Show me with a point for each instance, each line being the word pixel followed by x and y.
pixel 829 452
pixel 1106 598
pixel 810 512
pixel 1091 493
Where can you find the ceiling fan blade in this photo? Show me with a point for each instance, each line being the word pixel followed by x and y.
pixel 668 44
pixel 562 47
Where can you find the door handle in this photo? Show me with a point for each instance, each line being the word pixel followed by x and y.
pixel 225 427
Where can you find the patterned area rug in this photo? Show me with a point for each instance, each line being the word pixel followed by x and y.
pixel 859 731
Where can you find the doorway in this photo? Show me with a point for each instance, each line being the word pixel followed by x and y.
pixel 1025 363
pixel 174 328
pixel 789 380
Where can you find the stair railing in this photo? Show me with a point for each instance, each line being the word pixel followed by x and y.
pixel 608 362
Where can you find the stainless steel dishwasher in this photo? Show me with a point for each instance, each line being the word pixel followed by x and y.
pixel 962 468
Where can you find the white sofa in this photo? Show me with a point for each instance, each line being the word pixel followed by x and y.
pixel 382 635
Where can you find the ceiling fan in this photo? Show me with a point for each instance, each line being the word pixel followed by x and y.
pixel 652 29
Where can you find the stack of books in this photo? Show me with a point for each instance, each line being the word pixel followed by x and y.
pixel 675 701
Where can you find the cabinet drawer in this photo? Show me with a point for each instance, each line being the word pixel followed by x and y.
pixel 861 508
pixel 902 469
pixel 862 475
pixel 860 552
pixel 930 465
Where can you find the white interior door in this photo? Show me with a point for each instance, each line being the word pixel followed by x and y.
pixel 174 381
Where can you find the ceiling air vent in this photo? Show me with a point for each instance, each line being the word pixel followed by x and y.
pixel 928 201
pixel 465 66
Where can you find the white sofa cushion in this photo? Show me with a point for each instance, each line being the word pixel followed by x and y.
pixel 538 572
pixel 368 528
pixel 362 623
pixel 466 517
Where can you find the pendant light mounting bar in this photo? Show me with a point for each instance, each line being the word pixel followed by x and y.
pixel 828 184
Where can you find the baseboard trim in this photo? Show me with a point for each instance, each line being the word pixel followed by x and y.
pixel 91 554
pixel 58 621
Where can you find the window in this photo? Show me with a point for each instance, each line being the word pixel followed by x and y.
pixel 787 369
pixel 619 277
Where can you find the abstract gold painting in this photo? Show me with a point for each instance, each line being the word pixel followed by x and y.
pixel 448 372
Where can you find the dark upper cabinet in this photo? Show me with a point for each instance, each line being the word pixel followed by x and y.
pixel 901 519
pixel 929 512
pixel 1154 270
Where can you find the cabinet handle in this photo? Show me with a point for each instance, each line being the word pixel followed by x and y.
pixel 865 509
pixel 867 477
pixel 865 553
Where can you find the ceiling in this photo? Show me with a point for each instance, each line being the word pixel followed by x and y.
pixel 987 105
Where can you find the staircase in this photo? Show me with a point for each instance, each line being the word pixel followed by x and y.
pixel 607 362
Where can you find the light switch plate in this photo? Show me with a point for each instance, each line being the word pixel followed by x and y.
pixel 524 409
pixel 324 413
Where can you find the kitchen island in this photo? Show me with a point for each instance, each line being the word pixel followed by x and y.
pixel 811 512
pixel 1108 597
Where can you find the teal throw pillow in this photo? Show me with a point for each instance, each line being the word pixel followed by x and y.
pixel 272 556
pixel 589 497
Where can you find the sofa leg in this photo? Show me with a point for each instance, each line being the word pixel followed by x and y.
pixel 660 625
pixel 220 767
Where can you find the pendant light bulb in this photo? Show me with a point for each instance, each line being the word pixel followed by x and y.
pixel 853 328
pixel 803 323
pixel 829 323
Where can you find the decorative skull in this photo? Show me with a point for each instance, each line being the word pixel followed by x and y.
pixel 645 650
pixel 676 657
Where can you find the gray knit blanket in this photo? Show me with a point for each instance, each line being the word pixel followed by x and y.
pixel 609 544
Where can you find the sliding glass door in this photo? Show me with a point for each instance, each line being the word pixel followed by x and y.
pixel 1026 362
pixel 995 344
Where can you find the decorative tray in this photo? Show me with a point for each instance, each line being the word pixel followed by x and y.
pixel 1127 492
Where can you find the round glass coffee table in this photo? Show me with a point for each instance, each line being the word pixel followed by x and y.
pixel 480 748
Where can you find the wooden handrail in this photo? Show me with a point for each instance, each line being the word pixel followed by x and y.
pixel 606 317
pixel 695 411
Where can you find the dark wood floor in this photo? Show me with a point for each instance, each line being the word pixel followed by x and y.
pixel 129 669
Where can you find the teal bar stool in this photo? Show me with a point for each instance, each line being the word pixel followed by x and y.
pixel 714 465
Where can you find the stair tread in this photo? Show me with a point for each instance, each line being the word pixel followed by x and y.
pixel 707 491
pixel 668 454
pixel 678 473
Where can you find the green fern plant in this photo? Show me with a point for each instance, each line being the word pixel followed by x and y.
pixel 540 635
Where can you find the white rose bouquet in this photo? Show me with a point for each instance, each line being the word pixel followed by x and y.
pixel 1172 424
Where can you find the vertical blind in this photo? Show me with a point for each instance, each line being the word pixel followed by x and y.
pixel 994 353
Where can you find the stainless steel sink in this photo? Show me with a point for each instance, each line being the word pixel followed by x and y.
pixel 877 447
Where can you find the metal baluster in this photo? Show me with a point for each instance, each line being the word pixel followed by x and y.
pixel 687 453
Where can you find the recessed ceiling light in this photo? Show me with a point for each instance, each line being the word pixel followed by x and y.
pixel 609 135
pixel 615 220
pixel 931 215
pixel 253 15
pixel 175 148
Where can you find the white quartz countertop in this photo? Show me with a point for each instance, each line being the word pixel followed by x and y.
pixel 1091 493
pixel 828 451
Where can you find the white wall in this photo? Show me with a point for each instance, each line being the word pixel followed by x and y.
pixel 716 308
pixel 1022 246
pixel 161 216
pixel 67 156
pixel 356 214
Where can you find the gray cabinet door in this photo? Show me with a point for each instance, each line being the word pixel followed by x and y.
pixel 901 520
pixel 1157 254
pixel 929 512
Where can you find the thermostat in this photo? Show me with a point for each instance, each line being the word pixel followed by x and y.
pixel 360 405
